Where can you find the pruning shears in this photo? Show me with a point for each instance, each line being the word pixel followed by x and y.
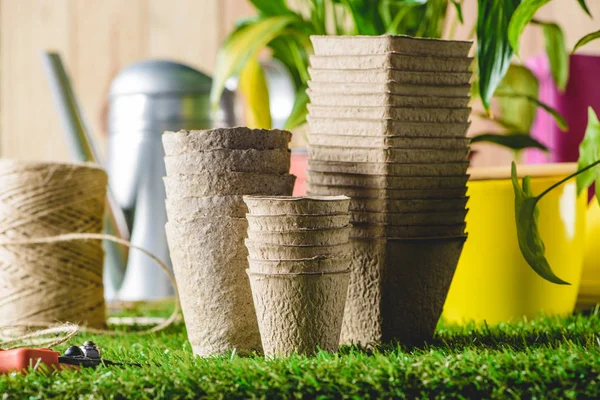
pixel 75 357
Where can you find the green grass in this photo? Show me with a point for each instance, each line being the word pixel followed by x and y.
pixel 544 358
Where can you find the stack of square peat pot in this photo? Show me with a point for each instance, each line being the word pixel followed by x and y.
pixel 208 172
pixel 387 125
pixel 299 270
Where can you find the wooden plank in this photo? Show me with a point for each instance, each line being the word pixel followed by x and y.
pixel 107 35
pixel 29 123
pixel 187 31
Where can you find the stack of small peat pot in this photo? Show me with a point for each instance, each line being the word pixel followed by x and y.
pixel 299 270
pixel 208 172
pixel 388 119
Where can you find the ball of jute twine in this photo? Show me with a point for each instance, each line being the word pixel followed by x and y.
pixel 51 256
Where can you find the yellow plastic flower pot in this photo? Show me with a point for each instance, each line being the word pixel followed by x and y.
pixel 589 292
pixel 493 282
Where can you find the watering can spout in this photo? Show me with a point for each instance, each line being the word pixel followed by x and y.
pixel 83 149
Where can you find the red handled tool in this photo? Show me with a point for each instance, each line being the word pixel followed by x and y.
pixel 87 356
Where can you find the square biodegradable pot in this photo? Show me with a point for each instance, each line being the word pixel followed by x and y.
pixel 385 127
pixel 391 169
pixel 405 114
pixel 373 230
pixel 387 181
pixel 264 251
pixel 390 75
pixel 385 99
pixel 413 205
pixel 410 218
pixel 379 142
pixel 209 261
pixel 369 45
pixel 292 205
pixel 309 265
pixel 383 75
pixel 305 237
pixel 408 156
pixel 238 138
pixel 299 313
pixel 415 282
pixel 187 208
pixel 393 60
pixel 275 161
pixel 396 194
pixel 228 183
pixel 282 223
pixel 362 314
pixel 394 88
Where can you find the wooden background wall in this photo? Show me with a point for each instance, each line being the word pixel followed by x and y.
pixel 97 38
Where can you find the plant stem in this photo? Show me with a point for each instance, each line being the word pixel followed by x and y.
pixel 545 192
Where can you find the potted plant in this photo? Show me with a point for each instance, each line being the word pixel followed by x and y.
pixel 499 25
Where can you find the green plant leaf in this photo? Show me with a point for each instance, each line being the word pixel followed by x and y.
pixel 520 19
pixel 560 120
pixel 589 153
pixel 585 40
pixel 514 141
pixel 272 8
pixel 293 55
pixel 299 110
pixel 556 48
pixel 241 46
pixel 512 95
pixel 493 49
pixel 459 12
pixel 365 16
pixel 526 218
pixel 585 7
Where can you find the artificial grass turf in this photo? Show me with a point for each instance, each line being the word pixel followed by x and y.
pixel 543 358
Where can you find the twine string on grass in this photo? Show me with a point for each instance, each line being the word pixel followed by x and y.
pixel 70 329
pixel 51 255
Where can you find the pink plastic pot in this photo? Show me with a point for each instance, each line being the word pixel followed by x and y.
pixel 582 91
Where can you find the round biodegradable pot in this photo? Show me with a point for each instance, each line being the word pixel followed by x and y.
pixel 299 313
pixel 275 161
pixel 309 265
pixel 209 262
pixel 225 183
pixel 238 138
pixel 306 237
pixel 493 282
pixel 263 251
pixel 296 222
pixel 189 208
pixel 289 205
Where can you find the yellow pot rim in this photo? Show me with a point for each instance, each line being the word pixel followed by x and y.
pixel 533 170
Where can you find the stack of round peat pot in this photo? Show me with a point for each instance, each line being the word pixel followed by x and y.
pixel 388 119
pixel 299 271
pixel 208 172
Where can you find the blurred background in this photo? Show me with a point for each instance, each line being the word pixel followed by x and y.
pixel 98 38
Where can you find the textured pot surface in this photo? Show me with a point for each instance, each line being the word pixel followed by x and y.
pixel 299 312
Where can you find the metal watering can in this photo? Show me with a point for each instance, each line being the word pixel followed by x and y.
pixel 146 99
